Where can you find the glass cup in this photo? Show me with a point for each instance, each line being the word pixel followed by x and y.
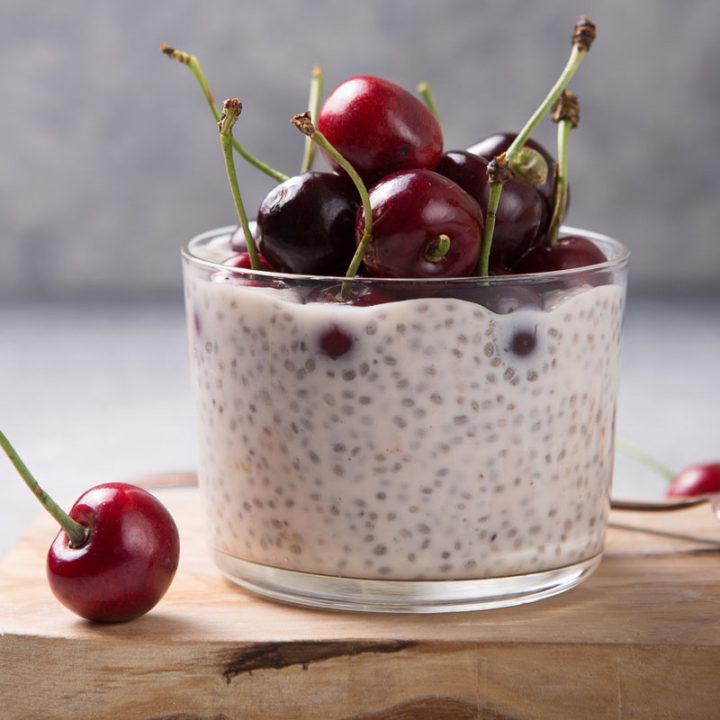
pixel 422 446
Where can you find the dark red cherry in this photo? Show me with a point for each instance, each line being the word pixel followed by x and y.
pixel 379 127
pixel 498 143
pixel 335 342
pixel 357 295
pixel 523 341
pixel 305 225
pixel 128 560
pixel 116 553
pixel 696 480
pixel 242 260
pixel 520 212
pixel 569 252
pixel 413 212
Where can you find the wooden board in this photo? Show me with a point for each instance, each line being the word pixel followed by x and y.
pixel 639 640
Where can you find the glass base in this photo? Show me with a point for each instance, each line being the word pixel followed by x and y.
pixel 401 596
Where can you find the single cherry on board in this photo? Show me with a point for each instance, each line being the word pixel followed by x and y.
pixel 696 480
pixel 424 225
pixel 117 551
pixel 379 127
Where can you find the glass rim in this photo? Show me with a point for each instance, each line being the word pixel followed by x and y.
pixel 616 263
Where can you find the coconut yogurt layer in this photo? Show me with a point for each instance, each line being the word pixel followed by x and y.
pixel 437 446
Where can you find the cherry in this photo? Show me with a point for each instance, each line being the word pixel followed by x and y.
pixel 335 342
pixel 128 560
pixel 117 551
pixel 696 480
pixel 424 225
pixel 379 128
pixel 572 251
pixel 520 213
pixel 498 143
pixel 243 260
pixel 523 342
pixel 305 224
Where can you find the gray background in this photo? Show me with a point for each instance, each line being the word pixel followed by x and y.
pixel 109 160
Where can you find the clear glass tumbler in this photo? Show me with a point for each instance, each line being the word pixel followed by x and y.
pixel 424 446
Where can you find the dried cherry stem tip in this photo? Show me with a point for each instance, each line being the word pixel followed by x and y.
pixel 585 33
pixel 567 108
pixel 305 125
pixel 566 113
pixel 231 111
pixel 194 66
pixel 77 533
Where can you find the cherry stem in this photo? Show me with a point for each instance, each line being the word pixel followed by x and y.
pixel 316 88
pixel 193 65
pixel 583 36
pixel 429 99
pixel 561 184
pixel 231 112
pixel 437 248
pixel 498 174
pixel 304 124
pixel 642 457
pixel 566 113
pixel 77 533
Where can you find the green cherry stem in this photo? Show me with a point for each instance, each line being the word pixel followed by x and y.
pixel 429 99
pixel 230 114
pixel 437 248
pixel 316 88
pixel 75 531
pixel 483 266
pixel 583 37
pixel 193 65
pixel 304 124
pixel 642 457
pixel 566 113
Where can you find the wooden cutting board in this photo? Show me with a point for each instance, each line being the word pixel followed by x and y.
pixel 640 640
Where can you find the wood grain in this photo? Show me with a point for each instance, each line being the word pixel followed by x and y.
pixel 640 639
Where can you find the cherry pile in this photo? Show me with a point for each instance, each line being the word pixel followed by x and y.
pixel 395 204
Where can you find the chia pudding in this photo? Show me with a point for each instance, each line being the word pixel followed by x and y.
pixel 423 439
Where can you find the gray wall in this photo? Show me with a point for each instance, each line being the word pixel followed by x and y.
pixel 109 159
